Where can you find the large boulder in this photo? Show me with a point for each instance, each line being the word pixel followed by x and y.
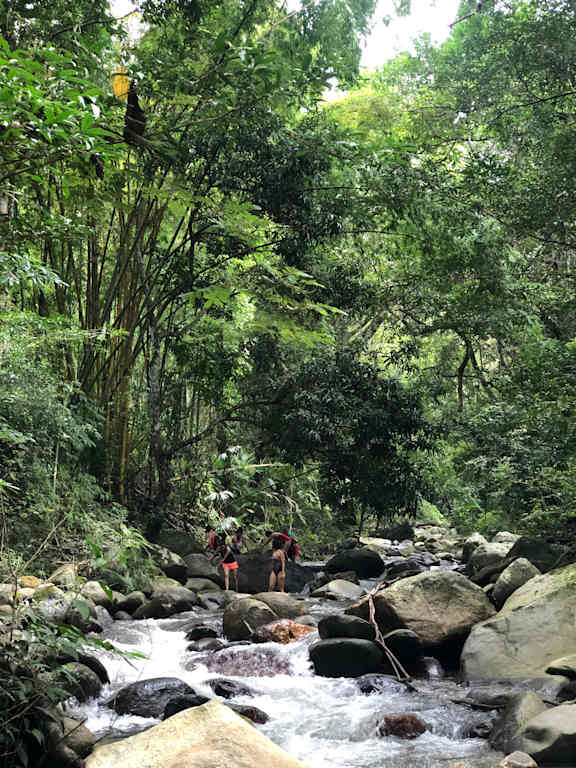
pixel 243 616
pixel 346 657
pixel 180 598
pixel 536 625
pixel 282 631
pixel 339 589
pixel 364 562
pixel 198 566
pixel 397 532
pixel 179 542
pixel 341 625
pixel 520 709
pixel 471 544
pixel 550 737
pixel 66 575
pixel 487 554
pixel 169 562
pixel 254 573
pixel 148 698
pixel 515 575
pixel 565 666
pixel 541 553
pixel 94 591
pixel 202 737
pixel 284 606
pixel 439 606
pixel 505 537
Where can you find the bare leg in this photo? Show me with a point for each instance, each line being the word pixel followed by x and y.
pixel 236 579
pixel 272 582
pixel 227 578
pixel 281 581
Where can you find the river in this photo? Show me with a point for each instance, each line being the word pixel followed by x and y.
pixel 325 723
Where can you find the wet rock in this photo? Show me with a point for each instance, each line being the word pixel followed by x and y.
pixel 346 657
pixel 187 740
pixel 206 644
pixel 82 658
pixel 254 573
pixel 75 612
pixel 430 668
pixel 79 681
pixel 405 645
pixel 471 544
pixel 131 602
pixel 282 631
pixel 76 736
pixel 254 661
pixel 565 666
pixel 229 689
pixel 243 616
pixel 341 625
pixel 397 532
pixel 497 694
pixel 154 609
pixel 180 703
pixel 375 683
pixel 518 760
pixel 402 568
pixel 200 631
pixel 339 590
pixel 180 598
pixel 212 600
pixel 515 575
pixel 535 626
pixel 122 616
pixel 284 606
pixel 148 698
pixel 403 726
pixel 365 563
pixel 478 730
pixel 550 737
pixel 519 710
pixel 439 606
pixel 253 714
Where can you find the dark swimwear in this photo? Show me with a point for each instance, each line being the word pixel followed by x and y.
pixel 276 565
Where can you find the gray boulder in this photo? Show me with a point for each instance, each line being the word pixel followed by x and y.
pixel 364 562
pixel 339 590
pixel 486 555
pixel 471 544
pixel 520 709
pixel 505 537
pixel 536 625
pixel 341 625
pixel 284 606
pixel 179 598
pixel 439 606
pixel 243 616
pixel 565 666
pixel 148 698
pixel 346 657
pixel 202 585
pixel 131 602
pixel 169 562
pixel 550 737
pixel 515 575
pixel 540 552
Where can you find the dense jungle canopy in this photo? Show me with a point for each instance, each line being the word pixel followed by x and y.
pixel 223 295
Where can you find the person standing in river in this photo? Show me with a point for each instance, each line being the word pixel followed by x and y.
pixel 278 565
pixel 229 563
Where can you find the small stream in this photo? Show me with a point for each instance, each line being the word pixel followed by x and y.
pixel 325 723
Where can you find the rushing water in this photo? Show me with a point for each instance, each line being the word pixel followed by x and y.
pixel 325 723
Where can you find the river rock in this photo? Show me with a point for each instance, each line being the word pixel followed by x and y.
pixel 339 590
pixel 379 683
pixel 439 606
pixel 381 546
pixel 79 681
pixel 229 689
pixel 540 552
pixel 187 740
pixel 565 666
pixel 180 598
pixel 155 609
pixel 254 573
pixel 148 698
pixel 487 554
pixel 505 537
pixel 28 581
pixel 550 737
pixel 131 602
pixel 282 631
pixel 536 625
pixel 206 644
pixel 471 544
pixel 341 625
pixel 213 600
pixel 76 736
pixel 519 710
pixel 405 645
pixel 47 591
pixel 515 575
pixel 200 631
pixel 284 606
pixel 346 657
pixel 199 566
pixel 243 616
pixel 403 726
pixel 94 591
pixel 180 703
pixel 518 760
pixel 402 568
pixel 398 532
pixel 202 585
pixel 365 563
pixel 170 563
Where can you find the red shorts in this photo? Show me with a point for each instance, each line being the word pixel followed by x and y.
pixel 230 566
